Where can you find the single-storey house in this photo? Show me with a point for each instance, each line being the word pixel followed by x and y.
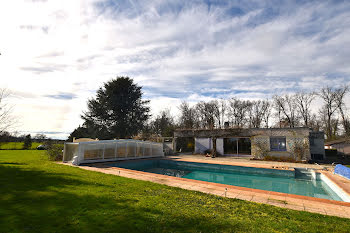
pixel 300 143
pixel 342 145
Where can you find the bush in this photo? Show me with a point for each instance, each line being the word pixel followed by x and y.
pixel 331 152
pixel 279 159
pixel 299 150
pixel 261 150
pixel 55 152
pixel 27 142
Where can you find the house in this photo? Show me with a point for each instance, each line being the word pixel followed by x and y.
pixel 300 143
pixel 342 145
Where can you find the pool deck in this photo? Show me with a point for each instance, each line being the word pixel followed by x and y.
pixel 290 201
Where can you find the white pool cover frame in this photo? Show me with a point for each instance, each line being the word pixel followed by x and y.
pixel 110 150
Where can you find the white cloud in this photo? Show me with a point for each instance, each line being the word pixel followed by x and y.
pixel 176 50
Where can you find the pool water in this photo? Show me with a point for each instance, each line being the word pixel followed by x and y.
pixel 258 178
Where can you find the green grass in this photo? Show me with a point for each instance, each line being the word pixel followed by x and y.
pixel 40 196
pixel 17 145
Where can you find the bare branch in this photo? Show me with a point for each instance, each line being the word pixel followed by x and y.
pixel 329 97
pixel 6 118
pixel 286 106
pixel 303 102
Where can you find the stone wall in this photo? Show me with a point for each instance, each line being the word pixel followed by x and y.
pixel 297 140
pixel 297 147
pixel 260 146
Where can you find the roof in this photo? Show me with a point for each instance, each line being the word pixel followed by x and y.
pixel 340 140
pixel 241 132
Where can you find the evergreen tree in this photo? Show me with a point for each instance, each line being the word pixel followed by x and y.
pixel 117 111
pixel 27 142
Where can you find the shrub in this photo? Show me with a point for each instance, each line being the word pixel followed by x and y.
pixel 299 149
pixel 279 159
pixel 261 150
pixel 27 142
pixel 55 152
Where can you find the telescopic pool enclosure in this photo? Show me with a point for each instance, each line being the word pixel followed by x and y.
pixel 110 150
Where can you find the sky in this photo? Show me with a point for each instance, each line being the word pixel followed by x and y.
pixel 56 54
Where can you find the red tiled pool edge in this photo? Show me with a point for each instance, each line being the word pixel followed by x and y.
pixel 284 200
pixel 240 188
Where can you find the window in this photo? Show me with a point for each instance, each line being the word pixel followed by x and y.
pixel 278 144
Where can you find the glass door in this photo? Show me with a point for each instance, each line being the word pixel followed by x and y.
pixel 230 145
pixel 236 146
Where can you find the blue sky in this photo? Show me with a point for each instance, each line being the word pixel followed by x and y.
pixel 55 54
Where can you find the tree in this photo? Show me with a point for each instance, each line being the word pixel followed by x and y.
pixel 163 124
pixel 267 107
pixel 340 94
pixel 222 107
pixel 286 106
pixel 4 137
pixel 303 102
pixel 118 110
pixel 40 137
pixel 27 142
pixel 259 112
pixel 329 97
pixel 238 110
pixel 188 116
pixel 84 131
pixel 208 112
pixel 315 122
pixel 6 118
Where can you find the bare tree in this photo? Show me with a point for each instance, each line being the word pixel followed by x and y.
pixel 217 113
pixel 315 122
pixel 285 105
pixel 257 113
pixel 188 116
pixel 303 102
pixel 238 111
pixel 340 94
pixel 40 137
pixel 208 113
pixel 222 112
pixel 267 107
pixel 7 120
pixel 329 97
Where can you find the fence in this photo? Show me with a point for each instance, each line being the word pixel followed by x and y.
pixel 110 150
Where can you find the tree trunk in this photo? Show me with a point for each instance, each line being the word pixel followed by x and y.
pixel 329 136
pixel 214 147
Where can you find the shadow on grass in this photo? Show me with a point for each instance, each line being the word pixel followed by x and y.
pixel 9 163
pixel 40 201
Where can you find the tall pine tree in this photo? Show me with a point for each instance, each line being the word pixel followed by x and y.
pixel 117 111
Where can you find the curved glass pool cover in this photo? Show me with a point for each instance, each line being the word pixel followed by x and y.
pixel 257 178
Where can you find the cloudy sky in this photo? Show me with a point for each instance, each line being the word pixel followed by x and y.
pixel 55 54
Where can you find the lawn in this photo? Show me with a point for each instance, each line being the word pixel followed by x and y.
pixel 41 196
pixel 17 145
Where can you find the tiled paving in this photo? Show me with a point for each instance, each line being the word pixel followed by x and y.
pixel 246 161
pixel 290 201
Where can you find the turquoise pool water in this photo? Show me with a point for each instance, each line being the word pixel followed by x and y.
pixel 258 178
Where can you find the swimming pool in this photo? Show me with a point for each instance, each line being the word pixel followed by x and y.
pixel 285 181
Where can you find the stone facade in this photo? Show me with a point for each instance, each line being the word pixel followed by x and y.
pixel 297 140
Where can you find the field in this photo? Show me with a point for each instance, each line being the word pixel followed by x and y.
pixel 41 196
pixel 17 145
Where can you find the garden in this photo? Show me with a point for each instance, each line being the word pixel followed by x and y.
pixel 39 195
